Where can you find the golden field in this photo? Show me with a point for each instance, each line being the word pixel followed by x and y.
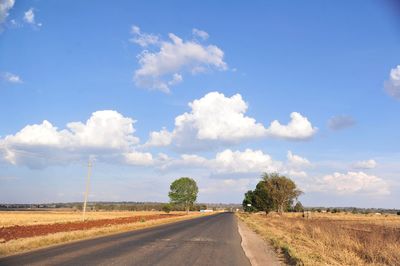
pixel 22 218
pixel 331 239
pixel 10 218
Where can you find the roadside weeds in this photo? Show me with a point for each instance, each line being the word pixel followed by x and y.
pixel 331 239
pixel 285 254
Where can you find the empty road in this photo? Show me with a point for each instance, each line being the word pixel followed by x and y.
pixel 209 240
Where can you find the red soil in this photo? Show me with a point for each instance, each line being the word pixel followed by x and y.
pixel 16 231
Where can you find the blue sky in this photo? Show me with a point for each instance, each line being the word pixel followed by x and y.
pixel 128 71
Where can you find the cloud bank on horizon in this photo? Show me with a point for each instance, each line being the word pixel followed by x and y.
pixel 214 121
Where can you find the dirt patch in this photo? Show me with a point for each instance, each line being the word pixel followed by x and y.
pixel 256 249
pixel 17 232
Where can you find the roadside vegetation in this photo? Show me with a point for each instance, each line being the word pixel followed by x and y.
pixel 331 238
pixel 319 237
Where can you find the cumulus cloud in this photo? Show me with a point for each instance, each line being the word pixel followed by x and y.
pixel 298 128
pixel 159 139
pixel 341 122
pixel 216 120
pixel 29 17
pixel 5 6
pixel 392 86
pixel 105 133
pixel 216 117
pixel 10 77
pixel 368 164
pixel 248 161
pixel 228 161
pixel 354 183
pixel 163 68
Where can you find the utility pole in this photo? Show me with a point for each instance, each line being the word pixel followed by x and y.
pixel 87 188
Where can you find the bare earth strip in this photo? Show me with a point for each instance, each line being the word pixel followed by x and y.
pixel 256 249
pixel 17 231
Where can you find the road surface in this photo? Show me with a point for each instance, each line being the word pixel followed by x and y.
pixel 209 240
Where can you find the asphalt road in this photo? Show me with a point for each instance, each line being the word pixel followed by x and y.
pixel 209 240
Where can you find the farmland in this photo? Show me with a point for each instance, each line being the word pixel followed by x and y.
pixel 331 239
pixel 26 230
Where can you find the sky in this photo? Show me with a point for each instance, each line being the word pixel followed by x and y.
pixel 151 91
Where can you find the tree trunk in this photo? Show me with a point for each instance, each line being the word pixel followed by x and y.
pixel 280 209
pixel 187 210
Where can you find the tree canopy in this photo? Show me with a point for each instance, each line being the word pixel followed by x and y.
pixel 273 192
pixel 183 191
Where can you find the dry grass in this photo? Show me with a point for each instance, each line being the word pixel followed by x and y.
pixel 10 218
pixel 332 239
pixel 26 244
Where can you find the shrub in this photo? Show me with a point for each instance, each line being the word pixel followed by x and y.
pixel 167 208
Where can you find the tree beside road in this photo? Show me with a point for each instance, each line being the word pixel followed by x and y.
pixel 273 193
pixel 183 191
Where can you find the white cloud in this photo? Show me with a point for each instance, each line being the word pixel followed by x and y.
pixel 368 164
pixel 138 158
pixel 105 133
pixel 341 122
pixel 200 33
pixel 216 120
pixel 392 86
pixel 248 161
pixel 354 183
pixel 297 161
pixel 299 128
pixel 159 139
pixel 29 17
pixel 228 161
pixel 5 6
pixel 216 117
pixel 10 77
pixel 163 68
pixel 143 39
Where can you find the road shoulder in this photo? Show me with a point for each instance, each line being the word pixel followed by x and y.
pixel 256 249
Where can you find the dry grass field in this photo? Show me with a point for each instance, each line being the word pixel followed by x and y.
pixel 331 239
pixel 10 218
pixel 25 218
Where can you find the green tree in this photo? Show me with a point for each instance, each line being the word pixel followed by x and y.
pixel 183 191
pixel 298 207
pixel 249 202
pixel 281 191
pixel 263 199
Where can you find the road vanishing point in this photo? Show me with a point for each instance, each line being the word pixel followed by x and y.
pixel 208 240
